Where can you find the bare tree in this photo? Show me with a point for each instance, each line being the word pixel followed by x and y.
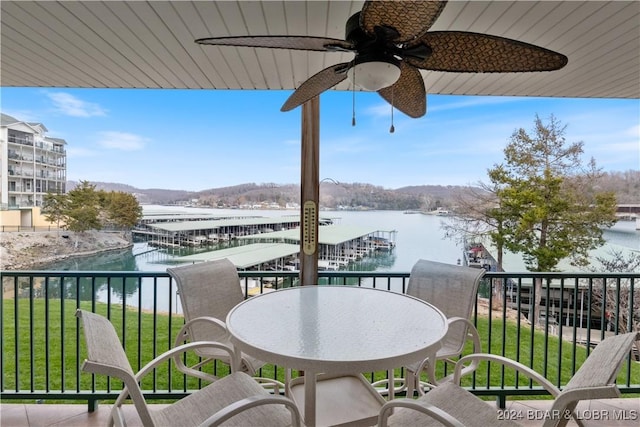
pixel 476 215
pixel 617 299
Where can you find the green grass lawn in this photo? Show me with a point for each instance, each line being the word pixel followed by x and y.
pixel 49 358
pixel 529 346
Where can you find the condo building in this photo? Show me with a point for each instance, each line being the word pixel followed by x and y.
pixel 31 163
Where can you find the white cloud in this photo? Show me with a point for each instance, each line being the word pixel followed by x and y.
pixel 383 109
pixel 22 115
pixel 472 102
pixel 122 141
pixel 634 131
pixel 69 105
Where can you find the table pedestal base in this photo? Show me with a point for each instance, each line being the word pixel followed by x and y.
pixel 340 400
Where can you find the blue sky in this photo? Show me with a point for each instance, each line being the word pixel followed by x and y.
pixel 200 139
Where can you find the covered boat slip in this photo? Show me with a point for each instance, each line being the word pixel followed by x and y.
pixel 152 218
pixel 248 256
pixel 199 232
pixel 255 256
pixel 279 250
pixel 337 244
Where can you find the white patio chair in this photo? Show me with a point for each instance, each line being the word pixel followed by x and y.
pixel 208 291
pixel 453 290
pixel 450 405
pixel 235 400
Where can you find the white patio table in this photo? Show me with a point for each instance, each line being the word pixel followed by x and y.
pixel 337 330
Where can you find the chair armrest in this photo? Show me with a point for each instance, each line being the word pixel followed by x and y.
pixel 434 412
pixel 472 332
pixel 474 336
pixel 567 397
pixel 519 367
pixel 271 384
pixel 183 336
pixel 176 351
pixel 251 402
pixel 183 333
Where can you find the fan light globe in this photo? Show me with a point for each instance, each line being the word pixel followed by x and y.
pixel 374 75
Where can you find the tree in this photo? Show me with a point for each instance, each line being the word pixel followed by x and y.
pixel 617 299
pixel 478 214
pixel 54 207
pixel 550 206
pixel 474 215
pixel 119 209
pixel 83 208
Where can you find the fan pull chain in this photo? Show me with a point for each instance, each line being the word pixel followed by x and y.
pixel 392 129
pixel 353 103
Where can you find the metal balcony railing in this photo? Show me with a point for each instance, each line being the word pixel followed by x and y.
pixel 42 348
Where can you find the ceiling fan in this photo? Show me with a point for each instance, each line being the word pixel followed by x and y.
pixel 392 43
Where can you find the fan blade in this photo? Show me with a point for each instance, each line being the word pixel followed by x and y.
pixel 281 42
pixel 411 19
pixel 316 84
pixel 407 94
pixel 465 52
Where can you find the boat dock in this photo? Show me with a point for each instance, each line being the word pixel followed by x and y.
pixel 199 230
pixel 337 244
pixel 477 256
pixel 262 243
pixel 279 250
pixel 255 256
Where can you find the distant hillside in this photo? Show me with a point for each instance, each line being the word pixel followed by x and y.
pixel 148 196
pixel 332 195
pixel 251 193
pixel 626 185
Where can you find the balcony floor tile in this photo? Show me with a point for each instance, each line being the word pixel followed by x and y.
pixel 601 413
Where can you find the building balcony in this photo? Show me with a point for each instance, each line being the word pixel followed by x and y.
pixel 42 348
pixel 20 141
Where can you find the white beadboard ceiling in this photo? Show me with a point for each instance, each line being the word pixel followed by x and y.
pixel 150 44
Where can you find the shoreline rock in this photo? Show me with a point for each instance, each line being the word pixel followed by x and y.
pixel 25 250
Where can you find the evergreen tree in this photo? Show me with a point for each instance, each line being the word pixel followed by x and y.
pixel 54 207
pixel 83 208
pixel 120 209
pixel 550 206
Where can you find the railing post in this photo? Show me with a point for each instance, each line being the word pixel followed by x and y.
pixel 34 299
pixel 92 405
pixel 501 401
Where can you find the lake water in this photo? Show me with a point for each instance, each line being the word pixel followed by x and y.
pixel 418 237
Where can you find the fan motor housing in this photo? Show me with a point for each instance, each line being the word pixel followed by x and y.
pixel 353 32
pixel 372 47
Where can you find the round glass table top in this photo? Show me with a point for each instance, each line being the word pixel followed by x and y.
pixel 336 329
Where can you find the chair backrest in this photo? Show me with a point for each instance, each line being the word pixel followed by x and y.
pixel 604 362
pixel 595 379
pixel 207 289
pixel 451 288
pixel 106 356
